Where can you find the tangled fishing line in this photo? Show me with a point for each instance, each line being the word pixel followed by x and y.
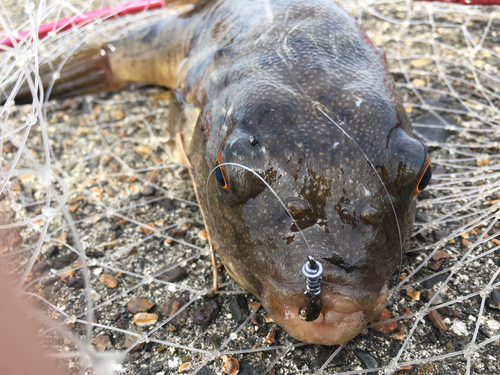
pixel 94 217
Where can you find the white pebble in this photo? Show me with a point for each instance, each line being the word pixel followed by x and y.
pixel 493 325
pixel 458 327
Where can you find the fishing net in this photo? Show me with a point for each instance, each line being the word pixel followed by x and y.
pixel 94 215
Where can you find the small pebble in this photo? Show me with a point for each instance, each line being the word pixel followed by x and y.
pixel 147 191
pixel 147 228
pixel 437 321
pixel 386 328
pixel 131 340
pixel 109 281
pixel 75 282
pixel 270 336
pixel 156 367
pixel 493 301
pixel 40 267
pixel 207 313
pixel 440 255
pixel 134 197
pixel 63 261
pixel 203 234
pixel 185 367
pixel 103 341
pixel 230 365
pixel 429 283
pixel 268 319
pixel 174 275
pixel 94 253
pixel 367 360
pixel 239 308
pixel 414 295
pixel 171 307
pixel 139 304
pixel 145 319
pixel 459 328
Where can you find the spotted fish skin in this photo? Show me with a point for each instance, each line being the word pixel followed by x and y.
pixel 334 143
pixel 294 92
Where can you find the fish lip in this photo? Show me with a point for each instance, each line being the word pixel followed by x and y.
pixel 340 320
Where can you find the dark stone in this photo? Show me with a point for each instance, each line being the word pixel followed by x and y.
pixel 166 204
pixel 438 265
pixel 422 235
pixel 171 307
pixel 439 234
pixel 53 251
pixel 139 304
pixel 148 190
pixel 206 371
pixel 143 371
pixel 75 282
pixel 206 314
pixel 248 369
pixel 174 275
pixel 493 301
pixel 239 308
pixel 40 267
pixel 115 227
pixel 156 367
pixel 135 196
pixel 94 253
pixel 394 348
pixel 424 195
pixel 421 217
pixel 367 360
pixel 483 332
pixel 428 284
pixel 64 260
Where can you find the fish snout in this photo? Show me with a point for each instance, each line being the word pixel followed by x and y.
pixel 340 317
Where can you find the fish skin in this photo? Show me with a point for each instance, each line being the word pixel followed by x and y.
pixel 330 136
pixel 333 136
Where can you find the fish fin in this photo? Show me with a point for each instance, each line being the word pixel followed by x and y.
pixel 86 72
pixel 148 55
pixel 192 174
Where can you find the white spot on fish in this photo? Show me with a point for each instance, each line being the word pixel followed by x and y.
pixel 367 192
pixel 335 144
pixel 358 101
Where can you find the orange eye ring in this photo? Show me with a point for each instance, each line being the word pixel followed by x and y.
pixel 220 173
pixel 425 177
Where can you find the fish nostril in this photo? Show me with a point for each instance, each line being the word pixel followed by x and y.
pixel 369 215
pixel 298 208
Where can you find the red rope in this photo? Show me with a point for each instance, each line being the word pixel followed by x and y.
pixel 69 22
pixel 140 5
pixel 467 2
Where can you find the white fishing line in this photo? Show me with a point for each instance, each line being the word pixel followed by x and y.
pixel 72 174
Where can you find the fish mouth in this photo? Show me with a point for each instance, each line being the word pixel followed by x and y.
pixel 341 318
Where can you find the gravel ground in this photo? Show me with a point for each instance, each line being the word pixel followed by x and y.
pixel 129 238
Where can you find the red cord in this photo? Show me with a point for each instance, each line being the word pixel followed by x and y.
pixel 69 22
pixel 467 2
pixel 140 5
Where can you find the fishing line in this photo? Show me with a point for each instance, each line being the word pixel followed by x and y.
pixel 267 185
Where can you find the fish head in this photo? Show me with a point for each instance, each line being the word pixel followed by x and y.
pixel 335 189
pixel 310 152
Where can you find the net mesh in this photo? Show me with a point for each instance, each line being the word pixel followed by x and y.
pixel 93 212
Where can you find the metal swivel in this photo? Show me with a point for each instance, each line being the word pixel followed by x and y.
pixel 312 271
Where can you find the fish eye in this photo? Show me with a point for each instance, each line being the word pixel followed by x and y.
pixel 425 177
pixel 298 208
pixel 220 173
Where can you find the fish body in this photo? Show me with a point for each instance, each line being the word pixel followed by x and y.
pixel 299 144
